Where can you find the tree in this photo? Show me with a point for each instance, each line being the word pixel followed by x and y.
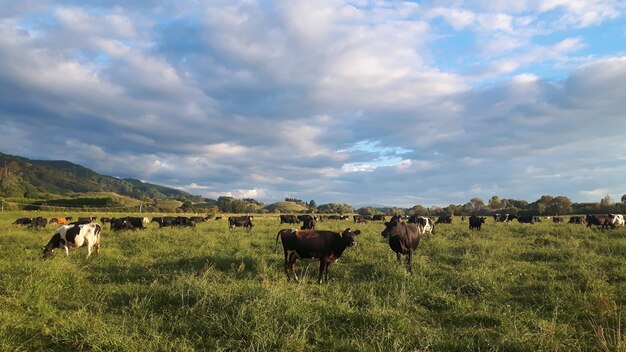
pixel 477 203
pixel 624 198
pixel 606 201
pixel 560 205
pixel 312 206
pixel 495 203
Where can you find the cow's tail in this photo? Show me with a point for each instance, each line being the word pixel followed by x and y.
pixel 276 242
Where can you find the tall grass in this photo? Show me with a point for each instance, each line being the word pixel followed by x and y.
pixel 513 287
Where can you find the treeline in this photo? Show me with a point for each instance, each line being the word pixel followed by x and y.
pixel 546 205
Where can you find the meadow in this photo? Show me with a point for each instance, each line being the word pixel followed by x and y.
pixel 510 287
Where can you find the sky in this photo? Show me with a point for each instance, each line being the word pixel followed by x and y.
pixel 391 103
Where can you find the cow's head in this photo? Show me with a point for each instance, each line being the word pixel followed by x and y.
pixel 348 237
pixel 389 226
pixel 46 252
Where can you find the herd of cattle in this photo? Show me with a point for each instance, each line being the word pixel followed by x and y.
pixel 304 243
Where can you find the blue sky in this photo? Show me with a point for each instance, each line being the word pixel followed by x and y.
pixel 364 102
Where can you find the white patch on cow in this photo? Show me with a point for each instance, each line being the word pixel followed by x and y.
pixel 617 220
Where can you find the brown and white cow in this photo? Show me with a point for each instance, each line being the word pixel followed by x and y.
pixel 327 246
pixel 74 236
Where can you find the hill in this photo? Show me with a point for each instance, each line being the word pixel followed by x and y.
pixel 23 177
pixel 286 207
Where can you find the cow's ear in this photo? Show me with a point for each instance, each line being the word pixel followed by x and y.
pixel 357 232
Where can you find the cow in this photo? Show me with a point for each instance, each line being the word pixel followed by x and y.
pixel 121 224
pixel 308 223
pixel 536 219
pixel 603 221
pixel 446 219
pixel 577 220
pixel 164 221
pixel 90 219
pixel 184 221
pixel 327 246
pixel 105 220
pixel 426 221
pixel 526 219
pixel 557 219
pixel 22 221
pixel 403 238
pixel 74 236
pixel 616 220
pixel 475 222
pixel 358 218
pixel 38 222
pixel 197 219
pixel 379 217
pixel 218 218
pixel 288 219
pixel 337 217
pixel 240 221
pixel 58 221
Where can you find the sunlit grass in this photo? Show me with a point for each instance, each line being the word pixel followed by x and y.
pixel 509 287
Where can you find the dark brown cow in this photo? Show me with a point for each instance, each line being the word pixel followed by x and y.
pixel 288 219
pixel 23 221
pixel 327 246
pixel 379 217
pixel 197 219
pixel 577 220
pixel 604 221
pixel 527 219
pixel 358 218
pixel 403 238
pixel 475 222
pixel 240 221
pixel 446 219
pixel 38 222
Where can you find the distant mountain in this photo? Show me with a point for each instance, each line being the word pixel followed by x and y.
pixel 22 177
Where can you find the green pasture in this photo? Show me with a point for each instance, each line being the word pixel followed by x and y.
pixel 510 287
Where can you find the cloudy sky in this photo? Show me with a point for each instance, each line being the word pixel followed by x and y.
pixel 364 102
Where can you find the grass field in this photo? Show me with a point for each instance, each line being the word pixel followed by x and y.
pixel 511 287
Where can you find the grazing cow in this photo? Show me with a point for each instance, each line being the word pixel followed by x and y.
pixel 379 217
pixel 197 219
pixel 288 219
pixel 337 217
pixel 358 218
pixel 218 218
pixel 121 224
pixel 446 219
pixel 59 221
pixel 183 221
pixel 526 219
pixel 328 246
pixel 616 220
pixel 603 221
pixel 403 237
pixel 23 221
pixel 105 220
pixel 240 221
pixel 536 219
pixel 557 219
pixel 308 223
pixel 577 220
pixel 475 222
pixel 164 221
pixel 38 222
pixel 74 236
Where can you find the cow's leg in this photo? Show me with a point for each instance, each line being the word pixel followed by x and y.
pixel 408 262
pixel 287 266
pixel 323 268
pixel 292 265
pixel 67 250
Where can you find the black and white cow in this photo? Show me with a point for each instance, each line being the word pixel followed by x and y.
pixel 74 236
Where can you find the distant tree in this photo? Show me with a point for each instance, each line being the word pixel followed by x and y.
pixel 366 211
pixel 187 207
pixel 542 205
pixel 477 203
pixel 560 205
pixel 624 198
pixel 312 206
pixel 495 203
pixel 606 201
pixel 417 210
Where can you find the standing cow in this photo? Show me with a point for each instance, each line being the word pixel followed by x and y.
pixel 328 246
pixel 403 237
pixel 475 222
pixel 74 236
